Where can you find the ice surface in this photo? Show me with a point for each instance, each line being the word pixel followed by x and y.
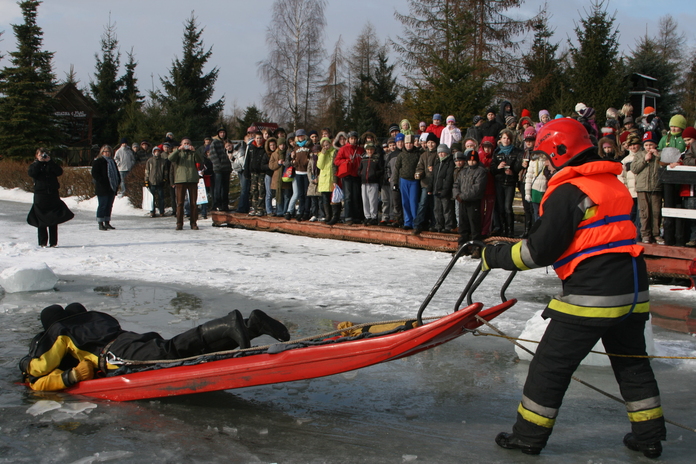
pixel 28 278
pixel 43 406
pixel 104 456
pixel 534 330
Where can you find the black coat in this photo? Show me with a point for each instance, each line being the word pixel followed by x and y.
pixel 48 209
pixel 100 176
pixel 442 178
pixel 514 161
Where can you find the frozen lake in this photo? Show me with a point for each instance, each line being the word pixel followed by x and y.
pixel 445 405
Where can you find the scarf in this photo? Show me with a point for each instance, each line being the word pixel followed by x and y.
pixel 505 150
pixel 112 170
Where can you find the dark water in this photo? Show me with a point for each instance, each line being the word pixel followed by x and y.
pixel 442 406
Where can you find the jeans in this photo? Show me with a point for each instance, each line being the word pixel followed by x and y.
pixel 299 192
pixel 122 187
pixel 269 195
pixel 410 191
pixel 352 198
pixel 424 213
pixel 157 192
pixel 221 191
pixel 104 206
pixel 243 204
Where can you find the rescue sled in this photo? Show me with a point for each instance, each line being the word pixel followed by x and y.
pixel 290 361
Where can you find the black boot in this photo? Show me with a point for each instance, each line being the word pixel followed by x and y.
pixel 336 210
pixel 510 441
pixel 225 333
pixel 260 323
pixel 649 450
pixel 108 225
pixel 102 226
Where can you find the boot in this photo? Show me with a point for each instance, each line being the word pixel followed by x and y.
pixel 336 210
pixel 102 226
pixel 225 333
pixel 108 225
pixel 649 450
pixel 260 323
pixel 510 441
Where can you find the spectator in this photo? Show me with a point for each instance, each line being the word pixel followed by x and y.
pixel 347 161
pixel 222 169
pixel 405 125
pixel 299 158
pixel 492 127
pixel 283 190
pixel 650 122
pixel 468 189
pixel 270 146
pixel 397 210
pixel 544 118
pixel 424 172
pixel 629 178
pixel 167 150
pixel 688 191
pixel 607 149
pixel 490 222
pixel 257 173
pixel 436 127
pixel 313 195
pixel 505 112
pixel 185 159
pixel 506 165
pixel 125 160
pixel 450 134
pixel 422 127
pixel 404 174
pixel 527 149
pixel 388 213
pixel 370 172
pixel 440 187
pixel 536 180
pixel 156 175
pixel 144 152
pixel 475 132
pixel 208 180
pixel 327 181
pixel 646 167
pixel 106 181
pixel 47 210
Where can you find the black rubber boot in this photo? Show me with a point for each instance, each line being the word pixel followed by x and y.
pixel 336 210
pixel 260 323
pixel 102 226
pixel 510 441
pixel 649 450
pixel 225 333
pixel 108 225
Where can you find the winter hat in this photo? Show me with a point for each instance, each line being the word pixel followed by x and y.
pixel 51 314
pixel 525 113
pixel 559 116
pixel 399 136
pixel 313 132
pixel 456 146
pixel 588 112
pixel 544 112
pixel 370 146
pixel 166 144
pixel 393 128
pixel 529 134
pixel 679 121
pixel 492 110
pixel 145 142
pixel 471 155
pixel 442 148
pixel 422 124
pixel 407 138
pixel 451 118
pixel 477 118
pixel 252 129
pixel 607 131
pixel 74 308
pixel 510 120
pixel 321 142
pixel 632 139
pixel 649 136
pixel 351 134
pixel 221 129
pixel 299 132
pixel 689 132
pixel 389 140
pixel 437 116
pixel 648 110
pixel 580 107
pixel 124 140
pixel 459 156
pixel 628 120
pixel 315 148
pixel 156 148
pixel 432 137
pixel 487 141
pixel 612 113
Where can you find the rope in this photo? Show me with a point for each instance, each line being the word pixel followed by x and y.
pixel 264 347
pixel 598 390
pixel 485 334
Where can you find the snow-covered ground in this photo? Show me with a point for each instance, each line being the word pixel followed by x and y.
pixel 444 405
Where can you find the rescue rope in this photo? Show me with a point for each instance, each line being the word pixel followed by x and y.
pixel 476 333
pixel 598 390
pixel 132 362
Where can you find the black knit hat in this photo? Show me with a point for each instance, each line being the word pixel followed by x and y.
pixel 51 314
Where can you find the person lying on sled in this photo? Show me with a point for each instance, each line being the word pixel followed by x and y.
pixel 75 343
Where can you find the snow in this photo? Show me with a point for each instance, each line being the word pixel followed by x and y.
pixel 28 278
pixel 359 281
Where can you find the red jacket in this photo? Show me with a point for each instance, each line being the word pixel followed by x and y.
pixel 350 155
pixel 437 130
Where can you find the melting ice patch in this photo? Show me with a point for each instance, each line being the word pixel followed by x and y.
pixel 60 411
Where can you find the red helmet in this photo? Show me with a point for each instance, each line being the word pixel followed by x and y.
pixel 561 140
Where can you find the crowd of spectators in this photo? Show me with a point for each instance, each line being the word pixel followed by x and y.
pixel 435 177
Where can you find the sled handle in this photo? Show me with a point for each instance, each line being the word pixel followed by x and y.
pixel 458 254
pixel 474 282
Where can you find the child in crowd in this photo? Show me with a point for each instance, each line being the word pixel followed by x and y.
pixel 440 187
pixel 629 178
pixel 468 189
pixel 370 172
pixel 646 167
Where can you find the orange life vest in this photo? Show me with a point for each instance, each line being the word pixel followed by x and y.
pixel 606 226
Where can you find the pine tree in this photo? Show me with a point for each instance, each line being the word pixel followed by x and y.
pixel 597 76
pixel 363 116
pixel 252 115
pixel 188 91
pixel 131 115
pixel 439 52
pixel 332 92
pixel 106 88
pixel 544 85
pixel 688 96
pixel 26 114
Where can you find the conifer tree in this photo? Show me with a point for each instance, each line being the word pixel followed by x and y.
pixel 188 90
pixel 131 116
pixel 252 114
pixel 688 96
pixel 107 88
pixel 333 90
pixel 597 76
pixel 26 113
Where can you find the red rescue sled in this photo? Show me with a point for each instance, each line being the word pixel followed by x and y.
pixel 299 362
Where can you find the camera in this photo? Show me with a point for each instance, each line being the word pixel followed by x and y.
pixel 44 155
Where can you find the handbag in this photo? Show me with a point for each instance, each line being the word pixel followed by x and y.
pixel 288 174
pixel 337 195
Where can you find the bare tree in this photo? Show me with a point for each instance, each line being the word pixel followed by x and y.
pixel 363 57
pixel 333 90
pixel 291 70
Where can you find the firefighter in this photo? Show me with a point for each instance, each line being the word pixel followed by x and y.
pixel 586 233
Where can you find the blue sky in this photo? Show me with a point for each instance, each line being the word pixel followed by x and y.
pixel 236 30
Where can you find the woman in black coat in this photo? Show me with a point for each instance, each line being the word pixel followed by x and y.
pixel 106 183
pixel 48 209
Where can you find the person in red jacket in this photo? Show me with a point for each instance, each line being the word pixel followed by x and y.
pixel 347 162
pixel 585 232
pixel 436 127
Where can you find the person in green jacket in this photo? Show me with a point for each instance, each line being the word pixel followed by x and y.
pixel 186 180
